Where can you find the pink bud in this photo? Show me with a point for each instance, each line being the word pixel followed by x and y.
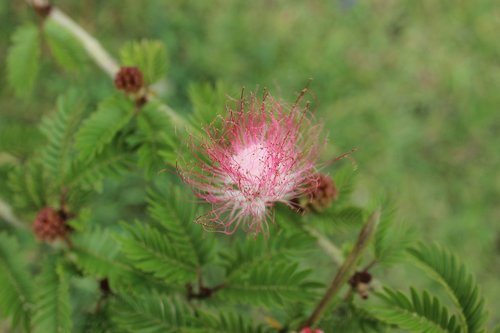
pixel 310 330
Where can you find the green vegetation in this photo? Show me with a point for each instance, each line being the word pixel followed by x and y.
pixel 413 85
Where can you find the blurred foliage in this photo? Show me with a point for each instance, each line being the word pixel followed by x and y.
pixel 412 84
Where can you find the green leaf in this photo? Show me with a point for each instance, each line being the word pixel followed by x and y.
pixel 407 320
pixel 270 284
pixel 443 266
pixel 420 313
pixel 353 318
pixel 11 131
pixel 334 218
pixel 208 101
pixel 31 187
pixel 98 255
pixel 52 311
pixel 247 254
pixel 152 314
pixel 151 251
pixel 89 174
pixel 156 138
pixel 102 126
pixel 174 248
pixel 23 60
pixel 99 322
pixel 228 322
pixel 175 214
pixel 149 56
pixel 66 50
pixel 391 239
pixel 345 180
pixel 15 281
pixel 60 129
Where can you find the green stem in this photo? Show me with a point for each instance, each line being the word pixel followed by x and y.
pixel 330 248
pixel 100 56
pixel 7 214
pixel 346 269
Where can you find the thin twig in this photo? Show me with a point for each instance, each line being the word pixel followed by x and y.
pixel 100 56
pixel 91 45
pixel 95 50
pixel 330 248
pixel 346 269
pixel 8 216
pixel 370 265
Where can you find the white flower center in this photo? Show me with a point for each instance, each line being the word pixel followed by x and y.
pixel 252 163
pixel 260 176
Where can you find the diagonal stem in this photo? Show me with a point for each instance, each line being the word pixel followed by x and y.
pixel 90 44
pixel 100 56
pixel 95 50
pixel 346 269
pixel 328 247
pixel 8 216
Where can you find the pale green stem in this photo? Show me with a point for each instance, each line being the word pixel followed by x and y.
pixel 8 216
pixel 347 268
pixel 328 246
pixel 100 56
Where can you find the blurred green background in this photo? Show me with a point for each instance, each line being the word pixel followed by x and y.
pixel 414 85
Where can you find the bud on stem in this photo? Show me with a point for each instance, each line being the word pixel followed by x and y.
pixel 346 269
pixel 50 225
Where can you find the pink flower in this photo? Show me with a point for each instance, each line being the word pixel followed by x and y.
pixel 310 330
pixel 262 154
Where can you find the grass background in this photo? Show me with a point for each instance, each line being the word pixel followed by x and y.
pixel 414 85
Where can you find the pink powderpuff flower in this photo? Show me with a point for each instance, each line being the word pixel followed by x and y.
pixel 261 154
pixel 310 330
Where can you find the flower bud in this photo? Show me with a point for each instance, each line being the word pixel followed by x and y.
pixel 325 192
pixel 43 10
pixel 320 192
pixel 49 224
pixel 129 79
pixel 360 282
pixel 310 330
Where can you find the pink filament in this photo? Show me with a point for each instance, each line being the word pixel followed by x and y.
pixel 262 156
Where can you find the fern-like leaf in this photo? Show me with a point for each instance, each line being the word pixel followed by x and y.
pixel 52 311
pixel 270 284
pixel 407 320
pixel 151 251
pixel 16 290
pixel 420 313
pixel 152 313
pixel 247 254
pixel 207 101
pixel 350 317
pixel 391 239
pixel 66 50
pixel 345 180
pixel 453 275
pixel 103 125
pixel 228 322
pixel 59 130
pixel 23 60
pixel 11 131
pixel 114 160
pixel 175 213
pixel 156 140
pixel 149 56
pixel 31 187
pixel 98 255
pixel 99 322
